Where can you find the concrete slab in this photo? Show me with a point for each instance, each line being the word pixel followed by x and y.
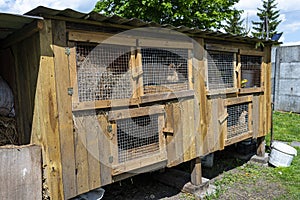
pixel 263 160
pixel 295 144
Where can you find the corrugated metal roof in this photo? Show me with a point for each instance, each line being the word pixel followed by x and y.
pixel 92 17
pixel 10 23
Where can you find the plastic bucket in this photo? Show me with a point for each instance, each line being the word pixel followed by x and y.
pixel 281 154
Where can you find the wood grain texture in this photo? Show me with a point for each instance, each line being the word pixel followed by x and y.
pixel 20 172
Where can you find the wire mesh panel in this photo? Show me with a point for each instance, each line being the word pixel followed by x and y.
pixel 251 70
pixel 237 121
pixel 102 72
pixel 220 70
pixel 137 137
pixel 164 70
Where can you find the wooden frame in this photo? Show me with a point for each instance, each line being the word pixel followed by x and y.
pixel 237 101
pixel 147 160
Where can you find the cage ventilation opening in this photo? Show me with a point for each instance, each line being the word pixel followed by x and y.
pixel 102 72
pixel 137 137
pixel 220 70
pixel 237 122
pixel 251 70
pixel 164 70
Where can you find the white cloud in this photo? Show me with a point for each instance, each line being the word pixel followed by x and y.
pixel 23 6
pixel 291 43
pixel 292 27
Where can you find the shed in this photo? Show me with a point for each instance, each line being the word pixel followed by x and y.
pixel 108 97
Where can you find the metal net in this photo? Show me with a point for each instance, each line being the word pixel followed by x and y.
pixel 137 137
pixel 237 121
pixel 164 70
pixel 220 70
pixel 102 72
pixel 251 70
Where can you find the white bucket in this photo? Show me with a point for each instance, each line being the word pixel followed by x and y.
pixel 281 154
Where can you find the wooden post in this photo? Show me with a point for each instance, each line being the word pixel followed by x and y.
pixel 261 146
pixel 196 175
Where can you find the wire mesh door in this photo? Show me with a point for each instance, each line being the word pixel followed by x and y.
pixel 102 72
pixel 251 70
pixel 164 70
pixel 237 121
pixel 220 70
pixel 137 137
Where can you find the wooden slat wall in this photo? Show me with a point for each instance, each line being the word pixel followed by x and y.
pixel 45 126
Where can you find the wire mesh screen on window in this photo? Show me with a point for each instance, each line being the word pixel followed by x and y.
pixel 164 70
pixel 137 137
pixel 102 72
pixel 251 70
pixel 237 121
pixel 220 70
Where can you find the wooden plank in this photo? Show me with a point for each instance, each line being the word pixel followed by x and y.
pixel 251 90
pixel 238 72
pixel 81 153
pixel 134 165
pixel 219 47
pixel 186 131
pixel 104 150
pixel 162 138
pixel 103 38
pixel 134 74
pixel 161 43
pixel 170 139
pixel 178 132
pixel 224 91
pixel 91 105
pixel 196 175
pixel 45 122
pixel 64 106
pixel 20 172
pixel 268 85
pixel 214 130
pixel 238 138
pixel 222 109
pixel 166 96
pixel 91 127
pixel 139 68
pixel 251 52
pixel 190 70
pixel 256 116
pixel 18 36
pixel 235 74
pixel 73 73
pixel 238 100
pixel 135 112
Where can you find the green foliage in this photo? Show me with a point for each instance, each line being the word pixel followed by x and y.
pixel 268 17
pixel 235 25
pixel 204 14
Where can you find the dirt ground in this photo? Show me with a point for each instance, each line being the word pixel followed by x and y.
pixel 145 187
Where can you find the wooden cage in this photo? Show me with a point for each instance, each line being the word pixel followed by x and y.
pixel 105 106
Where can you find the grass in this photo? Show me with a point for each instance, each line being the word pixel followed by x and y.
pixel 256 181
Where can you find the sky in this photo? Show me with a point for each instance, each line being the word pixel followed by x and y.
pixel 289 12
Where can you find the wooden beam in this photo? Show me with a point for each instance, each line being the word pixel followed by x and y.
pixel 238 138
pixel 196 175
pixel 21 34
pixel 219 47
pixel 238 100
pixel 135 112
pixel 166 96
pixel 103 38
pixel 64 106
pixel 251 52
pixel 164 44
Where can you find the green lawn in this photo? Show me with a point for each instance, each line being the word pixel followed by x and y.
pixel 255 181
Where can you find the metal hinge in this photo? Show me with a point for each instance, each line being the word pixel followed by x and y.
pixel 67 51
pixel 70 91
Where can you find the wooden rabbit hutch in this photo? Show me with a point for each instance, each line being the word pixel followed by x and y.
pixel 105 105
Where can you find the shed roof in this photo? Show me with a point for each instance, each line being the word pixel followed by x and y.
pixel 120 22
pixel 10 23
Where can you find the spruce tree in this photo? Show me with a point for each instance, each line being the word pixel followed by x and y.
pixel 235 25
pixel 268 16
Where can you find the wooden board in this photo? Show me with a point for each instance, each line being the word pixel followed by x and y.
pixel 45 127
pixel 20 172
pixel 219 47
pixel 64 106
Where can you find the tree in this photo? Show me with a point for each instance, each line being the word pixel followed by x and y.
pixel 268 16
pixel 235 25
pixel 204 14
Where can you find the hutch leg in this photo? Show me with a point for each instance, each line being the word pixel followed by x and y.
pixel 196 175
pixel 261 146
